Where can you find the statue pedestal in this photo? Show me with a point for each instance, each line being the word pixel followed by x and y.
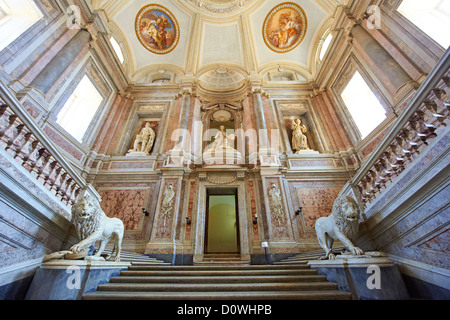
pixel 136 154
pixel 367 278
pixel 177 158
pixel 307 151
pixel 70 279
pixel 226 155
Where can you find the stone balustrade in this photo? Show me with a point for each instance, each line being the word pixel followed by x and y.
pixel 421 121
pixel 21 137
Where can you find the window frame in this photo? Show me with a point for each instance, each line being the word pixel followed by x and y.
pixel 95 114
pixel 342 80
pixel 92 127
pixel 414 26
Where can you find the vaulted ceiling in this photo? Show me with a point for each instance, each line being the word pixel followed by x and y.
pixel 221 41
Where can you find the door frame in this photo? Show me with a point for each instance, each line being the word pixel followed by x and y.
pixel 243 218
pixel 222 192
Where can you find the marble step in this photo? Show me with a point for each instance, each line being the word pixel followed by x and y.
pixel 223 273
pixel 307 256
pixel 218 279
pixel 144 266
pixel 126 256
pixel 245 282
pixel 221 295
pixel 213 287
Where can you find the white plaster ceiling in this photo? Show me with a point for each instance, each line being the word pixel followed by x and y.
pixel 214 34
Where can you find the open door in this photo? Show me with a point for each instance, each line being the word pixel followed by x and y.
pixel 222 230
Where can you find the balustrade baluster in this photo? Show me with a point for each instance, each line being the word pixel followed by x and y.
pixel 26 139
pixel 52 167
pixel 3 108
pixel 11 120
pixel 15 135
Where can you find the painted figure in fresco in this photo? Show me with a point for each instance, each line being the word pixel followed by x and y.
pixel 288 29
pixel 144 140
pixel 275 203
pixel 299 140
pixel 167 204
pixel 156 29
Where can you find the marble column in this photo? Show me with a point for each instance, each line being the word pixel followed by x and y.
pixel 62 60
pixel 184 119
pixel 267 156
pixel 181 152
pixel 260 120
pixel 393 73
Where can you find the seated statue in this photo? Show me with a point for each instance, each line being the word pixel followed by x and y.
pixel 222 140
pixel 222 149
pixel 144 140
pixel 299 139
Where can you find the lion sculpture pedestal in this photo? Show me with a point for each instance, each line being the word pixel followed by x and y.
pixel 367 275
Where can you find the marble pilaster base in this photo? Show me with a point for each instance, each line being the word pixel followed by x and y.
pixel 70 279
pixel 367 278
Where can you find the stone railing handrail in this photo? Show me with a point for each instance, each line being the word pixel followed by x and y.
pixel 29 145
pixel 426 112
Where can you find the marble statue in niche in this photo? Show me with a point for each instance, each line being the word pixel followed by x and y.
pixel 222 149
pixel 143 142
pixel 222 140
pixel 299 139
pixel 167 204
pixel 275 203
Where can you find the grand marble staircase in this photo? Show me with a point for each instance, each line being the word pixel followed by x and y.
pixel 152 281
pixel 306 256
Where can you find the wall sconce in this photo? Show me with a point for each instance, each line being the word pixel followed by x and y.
pixel 145 212
pixel 188 222
pixel 255 221
pixel 299 211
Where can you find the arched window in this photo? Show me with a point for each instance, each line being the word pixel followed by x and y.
pixel 79 110
pixel 364 107
pixel 117 49
pixel 325 45
pixel 431 16
pixel 16 17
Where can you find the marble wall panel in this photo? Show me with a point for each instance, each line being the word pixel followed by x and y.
pixel 124 204
pixel 125 201
pixel 316 199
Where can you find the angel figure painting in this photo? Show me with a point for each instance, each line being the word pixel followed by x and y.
pixel 157 29
pixel 284 27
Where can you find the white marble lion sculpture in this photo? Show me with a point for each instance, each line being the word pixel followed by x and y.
pixel 92 225
pixel 341 225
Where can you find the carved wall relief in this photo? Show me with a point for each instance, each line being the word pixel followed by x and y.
pixel 278 218
pixel 164 219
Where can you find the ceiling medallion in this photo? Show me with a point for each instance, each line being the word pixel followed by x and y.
pixel 284 27
pixel 157 29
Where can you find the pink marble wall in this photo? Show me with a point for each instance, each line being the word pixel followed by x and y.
pixel 63 143
pixel 316 199
pixel 125 201
pixel 190 211
pixel 316 203
pixel 253 208
pixel 124 204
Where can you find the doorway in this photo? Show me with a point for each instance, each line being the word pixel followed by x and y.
pixel 222 223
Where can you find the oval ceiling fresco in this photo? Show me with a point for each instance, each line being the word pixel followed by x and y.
pixel 285 27
pixel 157 29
